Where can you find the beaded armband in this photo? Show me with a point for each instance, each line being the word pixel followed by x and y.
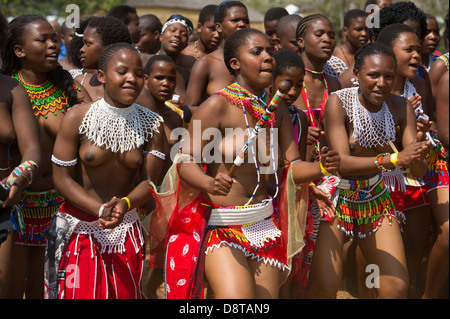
pixel 59 162
pixel 156 153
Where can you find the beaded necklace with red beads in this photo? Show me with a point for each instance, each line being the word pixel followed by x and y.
pixel 256 105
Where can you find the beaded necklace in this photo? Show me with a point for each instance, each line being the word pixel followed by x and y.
pixel 196 49
pixel 256 105
pixel 45 98
pixel 239 96
pixel 253 150
pixel 308 105
pixel 346 59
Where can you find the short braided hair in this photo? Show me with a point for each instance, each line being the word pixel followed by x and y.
pixel 304 23
pixel 371 49
pixel 111 50
pixel 286 59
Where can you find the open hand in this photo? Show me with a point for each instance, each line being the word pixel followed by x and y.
pixel 322 201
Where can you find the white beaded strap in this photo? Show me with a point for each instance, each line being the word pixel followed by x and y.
pixel 59 162
pixel 156 153
pixel 100 211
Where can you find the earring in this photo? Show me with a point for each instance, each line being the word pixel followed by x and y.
pixel 355 81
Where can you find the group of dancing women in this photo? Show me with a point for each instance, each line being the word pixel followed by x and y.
pixel 163 160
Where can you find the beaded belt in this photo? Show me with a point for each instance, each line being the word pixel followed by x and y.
pixel 241 215
pixel 358 184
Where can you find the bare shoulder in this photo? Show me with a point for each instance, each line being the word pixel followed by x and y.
pixel 420 84
pixel 8 84
pixel 215 105
pixel 333 84
pixel 397 104
pixel 334 101
pixel 77 112
pixel 345 79
pixel 443 82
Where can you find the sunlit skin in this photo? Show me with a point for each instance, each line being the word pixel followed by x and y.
pixel 252 66
pixel 320 36
pixel 256 55
pixel 40 48
pixel 407 52
pixel 376 76
pixel 38 54
pixel 124 82
pixel 174 39
pixel 104 177
pixel 123 79
pixel 209 74
pixel 317 45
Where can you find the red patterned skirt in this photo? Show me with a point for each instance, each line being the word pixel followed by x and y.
pixel 102 264
pixel 260 239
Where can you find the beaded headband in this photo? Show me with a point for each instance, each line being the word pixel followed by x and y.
pixel 181 20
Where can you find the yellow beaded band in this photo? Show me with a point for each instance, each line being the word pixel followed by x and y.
pixel 128 201
pixel 394 159
pixel 323 170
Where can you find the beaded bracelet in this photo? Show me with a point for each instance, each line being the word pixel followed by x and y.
pixel 394 159
pixel 27 165
pixel 378 161
pixel 323 170
pixel 128 202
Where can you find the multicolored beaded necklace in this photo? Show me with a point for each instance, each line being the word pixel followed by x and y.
pixel 240 96
pixel 308 105
pixel 256 105
pixel 45 98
